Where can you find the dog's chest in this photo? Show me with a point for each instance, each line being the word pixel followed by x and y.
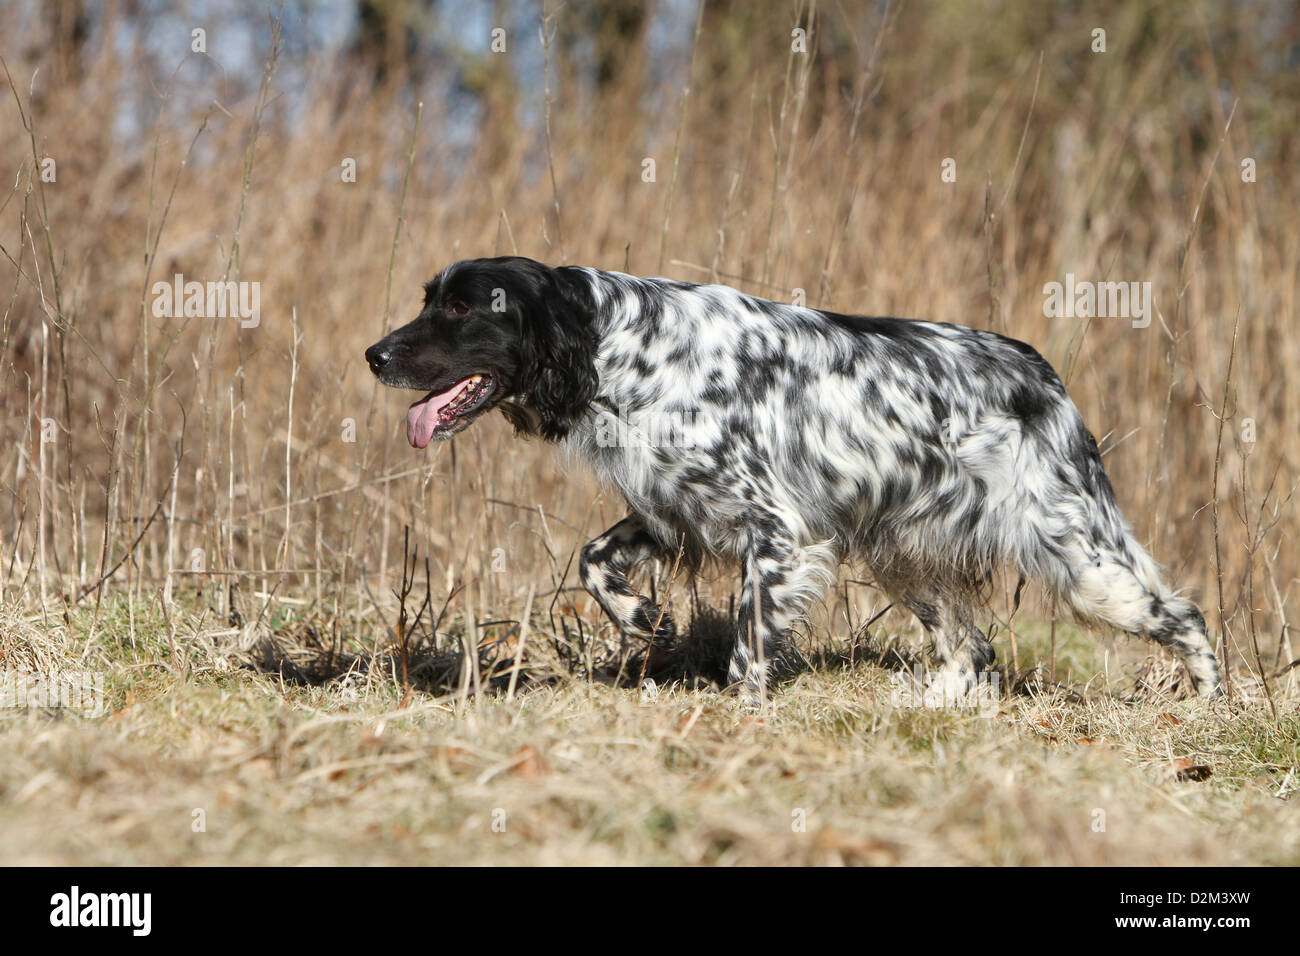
pixel 663 468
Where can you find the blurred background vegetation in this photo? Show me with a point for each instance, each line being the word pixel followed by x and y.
pixel 782 160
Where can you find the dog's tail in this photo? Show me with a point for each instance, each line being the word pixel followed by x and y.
pixel 1099 571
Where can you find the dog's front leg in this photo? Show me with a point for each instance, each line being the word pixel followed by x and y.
pixel 779 579
pixel 604 567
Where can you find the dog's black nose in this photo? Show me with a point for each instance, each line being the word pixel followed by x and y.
pixel 378 356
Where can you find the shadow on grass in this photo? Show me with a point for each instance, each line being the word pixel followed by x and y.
pixel 435 662
pixel 702 654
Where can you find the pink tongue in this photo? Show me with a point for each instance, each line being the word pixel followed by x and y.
pixel 422 417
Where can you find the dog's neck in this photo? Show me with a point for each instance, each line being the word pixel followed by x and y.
pixel 630 317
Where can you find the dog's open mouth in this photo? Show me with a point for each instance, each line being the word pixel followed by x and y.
pixel 443 414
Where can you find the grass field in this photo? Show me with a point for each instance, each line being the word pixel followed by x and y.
pixel 199 758
pixel 307 642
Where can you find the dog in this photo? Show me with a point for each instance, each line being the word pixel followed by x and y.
pixel 797 438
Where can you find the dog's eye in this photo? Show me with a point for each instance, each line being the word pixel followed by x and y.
pixel 457 308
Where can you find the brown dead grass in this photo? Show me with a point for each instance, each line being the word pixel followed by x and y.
pixel 227 765
pixel 173 440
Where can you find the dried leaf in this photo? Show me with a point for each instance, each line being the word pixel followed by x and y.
pixel 1051 720
pixel 1186 770
pixel 688 722
pixel 527 762
pixel 834 847
pixel 125 709
pixel 500 648
pixel 449 757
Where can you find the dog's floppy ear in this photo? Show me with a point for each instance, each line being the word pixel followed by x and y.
pixel 558 378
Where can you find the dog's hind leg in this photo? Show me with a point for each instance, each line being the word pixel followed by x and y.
pixel 959 647
pixel 604 567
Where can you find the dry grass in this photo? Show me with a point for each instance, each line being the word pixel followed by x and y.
pixel 585 772
pixel 271 689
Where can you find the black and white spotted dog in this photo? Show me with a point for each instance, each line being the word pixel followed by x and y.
pixel 798 438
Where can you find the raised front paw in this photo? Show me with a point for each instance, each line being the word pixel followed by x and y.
pixel 656 623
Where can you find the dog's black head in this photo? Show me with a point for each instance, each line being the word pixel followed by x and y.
pixel 506 332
